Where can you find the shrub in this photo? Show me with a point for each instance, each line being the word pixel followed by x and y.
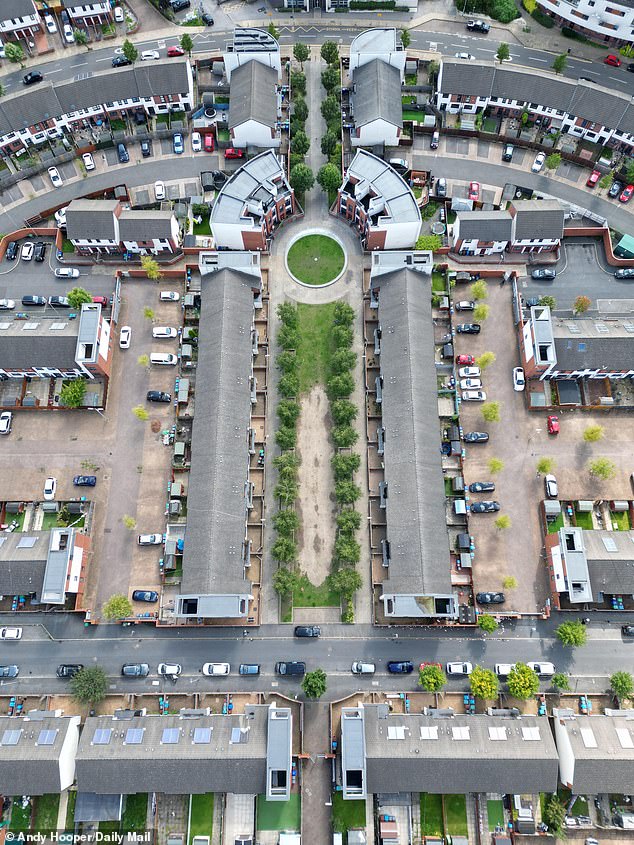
pixel 343 360
pixel 340 386
pixel 284 550
pixel 287 362
pixel 343 411
pixel 288 411
pixel 286 522
pixel 346 492
pixel 347 550
pixel 288 337
pixel 288 385
pixel 343 314
pixel 344 466
pixel 343 337
pixel 344 436
pixel 349 520
pixel 286 437
pixel 285 581
pixel 286 491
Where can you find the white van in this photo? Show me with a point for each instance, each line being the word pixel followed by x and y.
pixel 165 358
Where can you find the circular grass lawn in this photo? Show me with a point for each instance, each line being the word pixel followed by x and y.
pixel 315 259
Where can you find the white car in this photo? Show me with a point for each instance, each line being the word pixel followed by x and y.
pixel 69 36
pixel 89 162
pixel 55 178
pixel 66 273
pixel 149 55
pixel 469 372
pixel 466 56
pixel 474 396
pixel 124 337
pixel 360 667
pixel 540 158
pixel 170 669
pixel 10 633
pixel 6 418
pixel 150 539
pixel 159 191
pixel 550 484
pixel 169 296
pixel 197 142
pixel 51 26
pixel 26 251
pixel 212 669
pixel 164 331
pixel 470 383
pixel 504 669
pixel 545 669
pixel 60 216
pixel 459 668
pixel 119 15
pixel 519 381
pixel 7 304
pixel 50 486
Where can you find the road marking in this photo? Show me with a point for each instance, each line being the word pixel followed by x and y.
pixel 620 81
pixel 536 59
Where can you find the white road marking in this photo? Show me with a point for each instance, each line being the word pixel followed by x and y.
pixel 620 81
pixel 535 59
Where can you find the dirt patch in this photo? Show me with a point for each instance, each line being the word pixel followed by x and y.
pixel 316 503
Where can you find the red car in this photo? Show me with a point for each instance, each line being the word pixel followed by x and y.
pixel 208 143
pixel 553 425
pixel 231 152
pixel 593 178
pixel 100 300
pixel 474 191
pixel 626 195
pixel 465 360
pixel 175 51
pixel 612 60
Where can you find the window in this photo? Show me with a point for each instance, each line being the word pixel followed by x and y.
pixel 170 736
pixel 134 736
pixel 531 734
pixel 102 736
pixel 46 737
pixel 202 736
pixel 460 733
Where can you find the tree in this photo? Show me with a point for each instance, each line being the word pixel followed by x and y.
pixel 345 581
pixel 343 411
pixel 150 267
pixel 509 583
pixel 343 314
pixel 572 634
pixel 340 386
pixel 491 411
pixel 80 37
pixel 343 337
pixel 117 607
pixel 298 83
pixel 484 360
pixel 495 466
pixel 286 437
pixel 432 70
pixel 330 109
pixel 143 360
pixel 503 52
pixel 344 466
pixel 622 685
pixel 330 52
pixel 15 54
pixel 288 412
pixel 89 685
pixel 545 466
pixel 3 90
pixel 560 681
pixel 483 683
pixel 581 305
pixel 284 550
pixel 432 678
pixel 288 385
pixel 349 520
pixel 602 468
pixel 629 171
pixel 148 313
pixel 140 413
pixel 72 393
pixel 406 38
pixel 329 143
pixel 479 289
pixel 300 109
pixel 480 312
pixel 129 522
pixel 549 301
pixel 559 65
pixel 301 53
pixel 431 243
pixel 592 433
pixel 503 522
pixel 302 178
pixel 554 815
pixel 553 161
pixel 300 143
pixel 522 681
pixel 78 297
pixel 314 683
pixel 347 492
pixel 329 177
pixel 487 623
pixel 344 436
pixel 286 463
pixel 130 51
pixel 285 581
pixel 330 79
pixel 286 491
pixel 186 43
pixel 273 31
pixel 347 550
pixel 343 360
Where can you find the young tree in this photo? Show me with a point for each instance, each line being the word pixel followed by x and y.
pixel 432 678
pixel 480 312
pixel 286 522
pixel 130 51
pixel 140 413
pixel 286 464
pixel 349 521
pixel 329 143
pixel 343 314
pixel 341 386
pixel 14 53
pixel 186 43
pixel 330 52
pixel 479 290
pixel 89 685
pixel 330 110
pixel 554 815
pixel 288 412
pixel 300 109
pixel 344 466
pixel 329 178
pixel 549 301
pixel 285 581
pixel 343 360
pixel 298 83
pixel 495 466
pixel 80 37
pixel 150 267
pixel 300 143
pixel 284 550
pixel 301 53
pixel 592 433
pixel 273 31
pixel 602 468
pixel 344 436
pixel 510 583
pixel 522 681
pixel 545 466
pixel 503 52
pixel 286 490
pixel 347 550
pixel 487 623
pixel 581 305
pixel 491 411
pixel 560 681
pixel 331 80
pixel 553 161
pixel 622 685
pixel 314 683
pixel 78 297
pixel 483 683
pixel 302 178
pixel 345 580
pixel 406 38
pixel 572 634
pixel 117 607
pixel 129 522
pixel 288 385
pixel 503 522
pixel 72 393
pixel 346 493
pixel 286 438
pixel 560 62
pixel 485 360
pixel 343 411
pixel 143 360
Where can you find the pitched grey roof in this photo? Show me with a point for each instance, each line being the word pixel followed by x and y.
pixel 91 219
pixel 253 95
pixel 31 767
pixel 377 93
pixel 416 523
pixel 460 77
pixel 11 9
pixel 231 757
pixel 145 225
pixel 586 343
pixel 459 754
pixel 22 562
pixel 603 750
pixel 216 512
pixel 610 557
pixel 48 345
pixel 485 225
pixel 539 220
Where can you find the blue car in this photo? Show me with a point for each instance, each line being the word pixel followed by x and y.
pixel 249 669
pixel 400 667
pixel 178 143
pixel 85 480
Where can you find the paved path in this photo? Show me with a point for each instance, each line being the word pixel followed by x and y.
pixel 316 775
pixel 316 203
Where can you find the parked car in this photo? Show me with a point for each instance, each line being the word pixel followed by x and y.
pixel 59 302
pixel 119 14
pixel 163 359
pixel 30 300
pixel 459 668
pixel 7 304
pixel 179 5
pixel 85 480
pixel 232 152
pixel 177 143
pixel 164 331
pixel 159 191
pixel 612 60
pixel 615 189
pixel 626 194
pixel 552 424
pixel 467 56
pixel 26 251
pixel 593 179
pixel 481 487
pixel 89 162
pixel 360 667
pixel 470 383
pixel 400 667
pixel 158 396
pixel 150 539
pixel 290 667
pixel 504 669
pixel 69 670
pixel 146 148
pixel 120 61
pixel 101 300
pixel 32 77
pixel 125 335
pixel 469 372
pixel 249 669
pixel 123 154
pixel 66 273
pixel 624 273
pixel 69 35
pixel 197 142
pixel 485 507
pixel 207 19
pixel 507 154
pixel 478 26
pixel 474 191
pixel 476 437
pixel 11 671
pixel 519 380
pixel 543 273
pixel 6 419
pixel 214 669
pixel 149 55
pixel 208 146
pixel 55 178
pixel 465 305
pixel 550 485
pixel 175 51
pixel 465 359
pixel 307 631
pixel 537 165
pixel 12 251
pixel 545 670
pixel 135 670
pixel 49 22
pixel 50 486
pixel 169 670
pixel 490 598
pixel 468 328
pixel 531 301
pixel 434 140
pixel 10 633
pixel 39 253
pixel 627 631
pixel 169 296
pixel 474 396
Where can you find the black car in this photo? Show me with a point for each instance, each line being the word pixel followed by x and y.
pixel 135 670
pixel 179 5
pixel 481 487
pixel 32 77
pixel 146 149
pixel 58 302
pixel 468 328
pixel 9 671
pixel 290 667
pixel 123 154
pixel 307 631
pixel 625 273
pixel 39 253
pixel 12 251
pixel 532 301
pixel 400 667
pixel 485 507
pixel 120 61
pixel 478 26
pixel 31 300
pixel 627 630
pixel 207 19
pixel 476 437
pixel 85 480
pixel 543 273
pixel 158 396
pixel 630 67
pixel 615 189
pixel 69 670
pixel 490 598
pixel 145 595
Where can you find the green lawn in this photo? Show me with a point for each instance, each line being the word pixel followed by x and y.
pixel 315 259
pixel 70 810
pixel 315 349
pixel 20 818
pixel 49 520
pixel 431 814
pixel 456 814
pixel 584 520
pixel 495 812
pixel 622 519
pixel 223 135
pixel 309 595
pixel 135 813
pixel 553 527
pixel 489 125
pixel 46 807
pixel 579 808
pixel 202 228
pixel 411 114
pixel 278 815
pixel 347 814
pixel 438 283
pixel 67 246
pixel 202 814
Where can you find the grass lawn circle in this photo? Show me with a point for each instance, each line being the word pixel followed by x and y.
pixel 315 259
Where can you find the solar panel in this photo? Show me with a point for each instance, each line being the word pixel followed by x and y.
pixel 497 733
pixel 134 736
pixel 531 734
pixel 46 737
pixel 460 733
pixel 625 738
pixel 587 735
pixel 202 736
pixel 10 737
pixel 102 736
pixel 170 736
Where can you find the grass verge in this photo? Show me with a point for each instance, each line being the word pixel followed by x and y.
pixel 315 259
pixel 202 816
pixel 311 595
pixel 347 814
pixel 456 814
pixel 316 346
pixel 431 814
pixel 278 815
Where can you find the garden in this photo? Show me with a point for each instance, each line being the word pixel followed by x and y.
pixel 316 259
